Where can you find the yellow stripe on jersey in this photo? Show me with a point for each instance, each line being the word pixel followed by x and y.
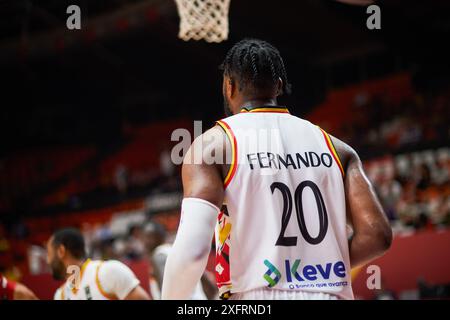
pixel 99 285
pixel 355 272
pixel 333 151
pixel 232 169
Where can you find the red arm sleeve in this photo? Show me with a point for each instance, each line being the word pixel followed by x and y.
pixel 7 288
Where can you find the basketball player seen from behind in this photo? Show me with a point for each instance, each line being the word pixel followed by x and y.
pixel 97 280
pixel 281 210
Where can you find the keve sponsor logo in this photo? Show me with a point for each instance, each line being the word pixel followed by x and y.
pixel 299 276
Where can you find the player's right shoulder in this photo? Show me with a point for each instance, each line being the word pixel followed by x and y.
pixel 112 264
pixel 206 147
pixel 110 269
pixel 345 152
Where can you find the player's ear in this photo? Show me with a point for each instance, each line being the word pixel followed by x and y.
pixel 230 87
pixel 61 251
pixel 279 87
pixel 226 86
pixel 233 87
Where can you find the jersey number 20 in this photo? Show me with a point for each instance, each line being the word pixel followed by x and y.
pixel 287 211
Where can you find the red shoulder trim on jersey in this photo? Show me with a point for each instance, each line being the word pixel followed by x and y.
pixel 266 109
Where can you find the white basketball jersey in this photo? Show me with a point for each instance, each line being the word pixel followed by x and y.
pixel 93 283
pixel 283 223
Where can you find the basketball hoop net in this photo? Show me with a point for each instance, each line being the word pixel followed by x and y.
pixel 203 19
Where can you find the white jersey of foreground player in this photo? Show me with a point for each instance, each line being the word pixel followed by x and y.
pixel 161 253
pixel 282 232
pixel 100 280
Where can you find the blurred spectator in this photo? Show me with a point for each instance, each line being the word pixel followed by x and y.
pixel 428 291
pixel 154 235
pixel 121 179
pixel 166 165
pixel 37 260
pixel 440 212
pixel 424 177
pixel 390 192
pixel 441 172
pixel 383 293
pixel 414 198
pixel 135 245
pixel 378 123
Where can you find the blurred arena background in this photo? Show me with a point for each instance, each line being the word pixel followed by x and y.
pixel 87 116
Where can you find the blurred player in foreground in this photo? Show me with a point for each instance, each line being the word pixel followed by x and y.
pixel 11 290
pixel 285 197
pixel 158 245
pixel 95 280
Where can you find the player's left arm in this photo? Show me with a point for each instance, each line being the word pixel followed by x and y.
pixel 21 292
pixel 372 233
pixel 203 196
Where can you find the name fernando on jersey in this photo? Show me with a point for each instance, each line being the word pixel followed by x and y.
pixel 266 160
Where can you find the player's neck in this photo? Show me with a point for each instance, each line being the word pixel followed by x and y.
pixel 257 103
pixel 73 262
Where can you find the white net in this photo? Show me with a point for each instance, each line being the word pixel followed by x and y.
pixel 203 19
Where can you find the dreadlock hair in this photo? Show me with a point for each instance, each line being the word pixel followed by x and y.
pixel 256 65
